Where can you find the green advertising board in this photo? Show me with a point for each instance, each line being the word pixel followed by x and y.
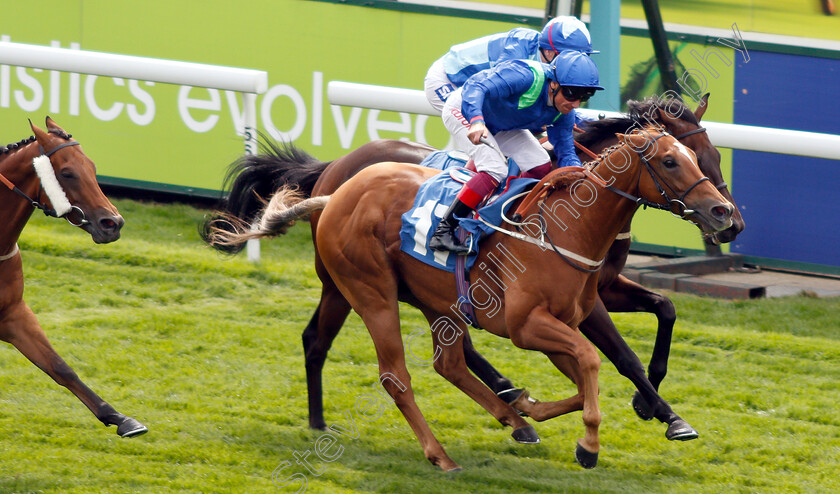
pixel 178 138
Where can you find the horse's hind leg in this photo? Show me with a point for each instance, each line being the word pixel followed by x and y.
pixel 369 284
pixel 20 327
pixel 383 326
pixel 501 385
pixel 317 338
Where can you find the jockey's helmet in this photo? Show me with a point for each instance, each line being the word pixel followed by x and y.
pixel 573 68
pixel 566 33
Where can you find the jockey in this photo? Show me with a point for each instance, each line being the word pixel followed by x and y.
pixel 453 69
pixel 503 105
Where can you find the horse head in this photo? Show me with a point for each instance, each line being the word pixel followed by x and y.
pixel 708 158
pixel 75 176
pixel 669 171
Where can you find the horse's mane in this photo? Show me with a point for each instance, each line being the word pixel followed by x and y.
pixel 23 142
pixel 639 113
pixel 8 148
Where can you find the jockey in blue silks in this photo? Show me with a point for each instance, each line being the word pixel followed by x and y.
pixel 462 61
pixel 503 105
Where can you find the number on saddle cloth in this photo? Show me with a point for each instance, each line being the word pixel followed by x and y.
pixel 434 197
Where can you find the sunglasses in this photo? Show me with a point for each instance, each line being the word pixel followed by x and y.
pixel 575 93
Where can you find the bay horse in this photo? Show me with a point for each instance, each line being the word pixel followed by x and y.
pixel 53 162
pixel 358 241
pixel 254 177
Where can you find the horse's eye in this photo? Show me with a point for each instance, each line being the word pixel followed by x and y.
pixel 669 162
pixel 68 173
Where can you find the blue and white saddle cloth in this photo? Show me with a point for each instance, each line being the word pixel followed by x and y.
pixel 436 195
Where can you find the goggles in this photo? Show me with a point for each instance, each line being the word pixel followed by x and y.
pixel 577 93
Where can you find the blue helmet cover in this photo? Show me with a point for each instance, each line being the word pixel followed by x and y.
pixel 566 33
pixel 573 68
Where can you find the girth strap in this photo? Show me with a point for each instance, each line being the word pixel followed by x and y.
pixel 462 284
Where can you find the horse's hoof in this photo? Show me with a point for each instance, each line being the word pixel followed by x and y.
pixel 585 458
pixel 319 426
pixel 679 430
pixel 131 427
pixel 447 465
pixel 526 435
pixel 641 407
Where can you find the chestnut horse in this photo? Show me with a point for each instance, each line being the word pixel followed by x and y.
pixel 68 179
pixel 358 241
pixel 253 177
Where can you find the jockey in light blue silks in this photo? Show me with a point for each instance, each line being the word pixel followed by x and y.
pixel 462 61
pixel 503 105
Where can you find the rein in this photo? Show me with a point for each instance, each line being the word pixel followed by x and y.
pixel 39 205
pixel 681 210
pixel 541 242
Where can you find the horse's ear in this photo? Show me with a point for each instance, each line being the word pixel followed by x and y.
pixel 52 126
pixel 39 134
pixel 664 116
pixel 701 109
pixel 622 138
pixel 635 141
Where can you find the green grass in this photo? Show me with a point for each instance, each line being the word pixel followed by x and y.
pixel 205 350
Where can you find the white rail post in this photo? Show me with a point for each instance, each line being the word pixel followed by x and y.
pixel 249 113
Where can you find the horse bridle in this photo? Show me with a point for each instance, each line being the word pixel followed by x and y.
pixel 36 203
pixel 683 211
pixel 698 130
pixel 675 206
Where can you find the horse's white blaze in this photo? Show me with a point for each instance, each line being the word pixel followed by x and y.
pixel 58 199
pixel 684 150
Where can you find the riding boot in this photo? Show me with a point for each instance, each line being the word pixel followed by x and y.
pixel 474 192
pixel 444 237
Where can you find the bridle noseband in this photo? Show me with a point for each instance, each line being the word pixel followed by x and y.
pixel 37 203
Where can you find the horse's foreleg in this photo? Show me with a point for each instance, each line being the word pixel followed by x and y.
pixel 501 385
pixel 21 328
pixel 317 338
pixel 544 410
pixel 543 332
pixel 601 331
pixel 624 295
pixel 450 364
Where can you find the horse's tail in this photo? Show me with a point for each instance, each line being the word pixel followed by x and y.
pixel 250 179
pixel 286 205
